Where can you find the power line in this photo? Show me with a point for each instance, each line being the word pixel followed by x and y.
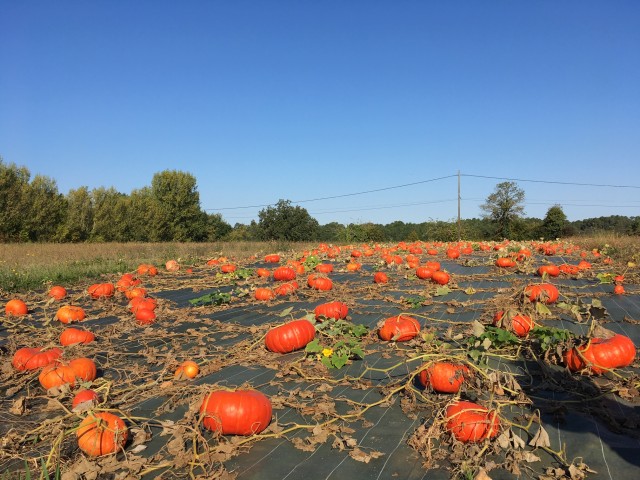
pixel 338 196
pixel 550 181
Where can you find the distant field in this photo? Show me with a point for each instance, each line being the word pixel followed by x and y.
pixel 30 266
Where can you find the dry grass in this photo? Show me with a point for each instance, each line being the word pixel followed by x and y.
pixel 30 266
pixel 624 248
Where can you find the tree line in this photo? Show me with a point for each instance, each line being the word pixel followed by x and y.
pixel 33 210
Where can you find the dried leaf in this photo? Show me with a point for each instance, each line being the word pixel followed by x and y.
pixel 482 475
pixel 19 406
pixel 540 439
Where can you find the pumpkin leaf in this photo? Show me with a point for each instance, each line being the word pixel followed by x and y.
pixel 443 290
pixel 313 346
pixel 542 309
pixel 540 439
pixel 285 312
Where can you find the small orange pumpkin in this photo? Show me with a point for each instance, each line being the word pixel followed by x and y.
pixel 70 313
pixel 102 433
pixel 73 336
pixel 16 308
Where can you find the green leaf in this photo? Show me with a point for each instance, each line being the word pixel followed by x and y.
pixel 443 290
pixel 339 361
pixel 313 346
pixel 357 351
pixel 326 361
pixel 215 298
pixel 285 312
pixel 542 309
pixel 605 278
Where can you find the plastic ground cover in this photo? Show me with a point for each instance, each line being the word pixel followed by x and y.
pixel 369 419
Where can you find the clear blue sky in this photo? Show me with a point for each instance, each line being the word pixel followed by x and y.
pixel 262 100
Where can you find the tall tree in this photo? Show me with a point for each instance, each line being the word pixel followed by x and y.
pixel 14 182
pixel 503 207
pixel 179 215
pixel 554 223
pixel 109 215
pixel 46 209
pixel 286 222
pixel 78 223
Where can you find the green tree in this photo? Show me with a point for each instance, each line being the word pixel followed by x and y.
pixel 286 222
pixel 217 228
pixel 78 222
pixel 179 217
pixel 46 210
pixel 110 215
pixel 142 215
pixel 503 207
pixel 554 223
pixel 14 182
pixel 331 232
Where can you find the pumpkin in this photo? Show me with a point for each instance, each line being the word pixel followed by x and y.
pixel 550 270
pixel 84 400
pixel 33 358
pixel 336 310
pixel 172 266
pixel 16 308
pixel 187 369
pixel 135 292
pixel 286 288
pixel 324 268
pixel 440 277
pixel 140 302
pixel 380 277
pixel 356 253
pixel 443 377
pixel 263 272
pixel 73 336
pixel 618 289
pixel 284 274
pixel 70 313
pixel 290 336
pixel 101 433
pixel 453 253
pixel 145 316
pixel 272 258
pixel 228 268
pixel 57 292
pixel 354 266
pixel 323 283
pixel 311 280
pixel 84 369
pixel 264 294
pixel 239 412
pixel 433 266
pixel 542 292
pixel 470 422
pixel 127 281
pixel 424 273
pixel 399 328
pixel 505 262
pixel 147 269
pixel 514 322
pixel 101 290
pixel 432 251
pixel 601 354
pixel 56 375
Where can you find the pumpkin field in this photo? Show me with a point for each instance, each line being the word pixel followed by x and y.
pixel 410 360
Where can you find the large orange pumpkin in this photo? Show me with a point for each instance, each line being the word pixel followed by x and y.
pixel 542 292
pixel 601 354
pixel 73 336
pixel 240 412
pixel 16 308
pixel 33 358
pixel 290 336
pixel 70 313
pixel 443 377
pixel 399 328
pixel 102 433
pixel 101 290
pixel 336 310
pixel 470 422
pixel 284 274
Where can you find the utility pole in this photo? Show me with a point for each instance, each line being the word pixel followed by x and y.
pixel 459 225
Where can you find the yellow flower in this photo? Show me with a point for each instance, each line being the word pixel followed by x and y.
pixel 327 352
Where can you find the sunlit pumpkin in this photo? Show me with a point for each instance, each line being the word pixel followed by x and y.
pixel 399 328
pixel 34 358
pixel 84 400
pixel 72 336
pixel 264 294
pixel 57 292
pixel 601 354
pixel 284 274
pixel 16 308
pixel 336 310
pixel 70 313
pixel 101 290
pixel 240 412
pixel 513 321
pixel 101 433
pixel 443 377
pixel 471 422
pixel 542 292
pixel 290 336
pixel 440 277
pixel 187 369
pixel 380 277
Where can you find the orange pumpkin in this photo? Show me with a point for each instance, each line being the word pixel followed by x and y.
pixel 264 294
pixel 70 313
pixel 73 336
pixel 443 377
pixel 84 369
pixel 56 375
pixel 172 266
pixel 145 316
pixel 102 433
pixel 57 292
pixel 84 400
pixel 284 274
pixel 16 308
pixel 33 358
pixel 440 277
pixel 470 422
pixel 187 369
pixel 380 277
pixel 399 328
pixel 101 290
